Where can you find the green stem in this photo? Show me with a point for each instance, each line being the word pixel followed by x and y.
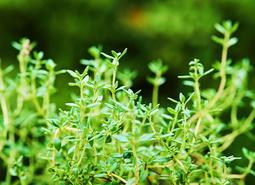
pixel 222 71
pixel 5 111
pixel 114 82
pixel 155 95
pixel 136 169
pixel 198 96
pixel 22 88
pixel 81 102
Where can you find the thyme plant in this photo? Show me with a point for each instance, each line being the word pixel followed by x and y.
pixel 25 107
pixel 108 135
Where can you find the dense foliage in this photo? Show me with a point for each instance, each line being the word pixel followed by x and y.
pixel 108 135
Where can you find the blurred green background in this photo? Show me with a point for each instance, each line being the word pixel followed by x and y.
pixel 175 31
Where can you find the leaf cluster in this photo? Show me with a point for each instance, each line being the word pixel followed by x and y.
pixel 108 135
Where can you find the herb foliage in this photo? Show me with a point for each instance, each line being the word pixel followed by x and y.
pixel 108 135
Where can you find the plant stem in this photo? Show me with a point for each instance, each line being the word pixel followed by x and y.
pixel 4 104
pixel 5 111
pixel 155 95
pixel 118 177
pixel 221 87
pixel 136 170
pixel 134 150
pixel 81 102
pixel 114 82
pixel 222 71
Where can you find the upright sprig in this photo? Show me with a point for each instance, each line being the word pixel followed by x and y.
pixel 127 77
pixel 24 47
pixel 36 79
pixel 116 56
pixel 227 28
pixel 81 80
pixel 196 72
pixel 158 69
pixel 4 96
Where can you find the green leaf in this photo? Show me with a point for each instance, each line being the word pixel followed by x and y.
pixel 17 45
pixel 218 40
pixel 172 100
pixel 93 105
pixel 219 28
pixel 121 138
pixel 72 105
pixel 123 53
pixel 13 171
pixel 228 159
pixel 73 74
pixel 157 67
pixel 234 27
pixel 154 112
pixel 121 106
pixel 161 81
pixel 50 64
pixel 207 72
pixel 232 41
pixel 146 137
pixel 8 69
pixel 151 80
pixel 85 80
pixel 184 77
pixel 253 104
pixel 171 110
pixel 252 172
pixel 71 150
pixel 113 166
pixel 115 54
pixel 166 135
pixel 57 143
pixel 95 51
pixel 100 175
pixel 182 98
pixel 127 154
pixel 54 122
pixel 107 56
pixel 160 159
pixel 188 83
